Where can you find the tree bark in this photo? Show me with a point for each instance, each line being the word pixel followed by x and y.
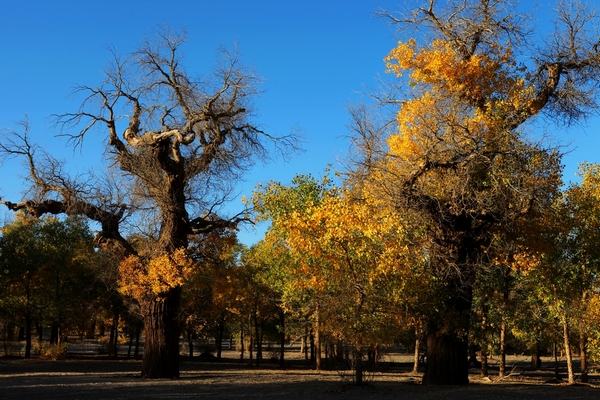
pixel 483 353
pixel 417 348
pixel 358 365
pixel 536 361
pixel 304 346
pixel 568 355
pixel 161 349
pixel 556 370
pixel 220 334
pixel 131 337
pixel 27 335
pixel 114 336
pixel 190 344
pixel 138 331
pixel 502 366
pixel 258 338
pixel 317 339
pixel 448 347
pixel 583 352
pixel 242 342
pixel 447 358
pixel 583 342
pixel 281 338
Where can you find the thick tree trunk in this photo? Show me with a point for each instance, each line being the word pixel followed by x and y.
pixel 54 333
pixel 90 334
pixel 447 346
pixel 161 349
pixel 447 358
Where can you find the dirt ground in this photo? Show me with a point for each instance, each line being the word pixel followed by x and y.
pixel 92 378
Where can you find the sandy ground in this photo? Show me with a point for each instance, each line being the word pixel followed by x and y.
pixel 100 378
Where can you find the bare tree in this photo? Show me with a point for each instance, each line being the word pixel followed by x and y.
pixel 184 139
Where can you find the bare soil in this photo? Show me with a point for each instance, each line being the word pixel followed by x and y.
pixel 92 378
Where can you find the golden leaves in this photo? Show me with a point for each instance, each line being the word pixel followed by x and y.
pixel 140 278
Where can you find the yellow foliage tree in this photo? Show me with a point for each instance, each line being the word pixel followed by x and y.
pixel 358 263
pixel 459 159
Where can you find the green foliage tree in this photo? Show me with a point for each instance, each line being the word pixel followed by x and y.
pixel 47 272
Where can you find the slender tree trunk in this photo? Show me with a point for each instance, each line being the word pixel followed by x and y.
pixel 281 338
pixel 311 339
pixel 417 348
pixel 161 350
pixel 483 353
pixel 242 342
pixel 114 336
pixel 190 337
pixel 220 334
pixel 317 336
pixel 502 366
pixel 556 371
pixel 40 331
pixel 568 355
pixel 305 343
pixel 131 338
pixel 138 332
pixel 358 365
pixel 28 335
pixel 536 361
pixel 250 341
pixel 583 352
pixel 258 339
pixel 583 343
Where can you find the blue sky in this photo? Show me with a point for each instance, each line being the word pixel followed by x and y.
pixel 316 57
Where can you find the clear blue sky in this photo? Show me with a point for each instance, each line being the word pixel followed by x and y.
pixel 316 57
